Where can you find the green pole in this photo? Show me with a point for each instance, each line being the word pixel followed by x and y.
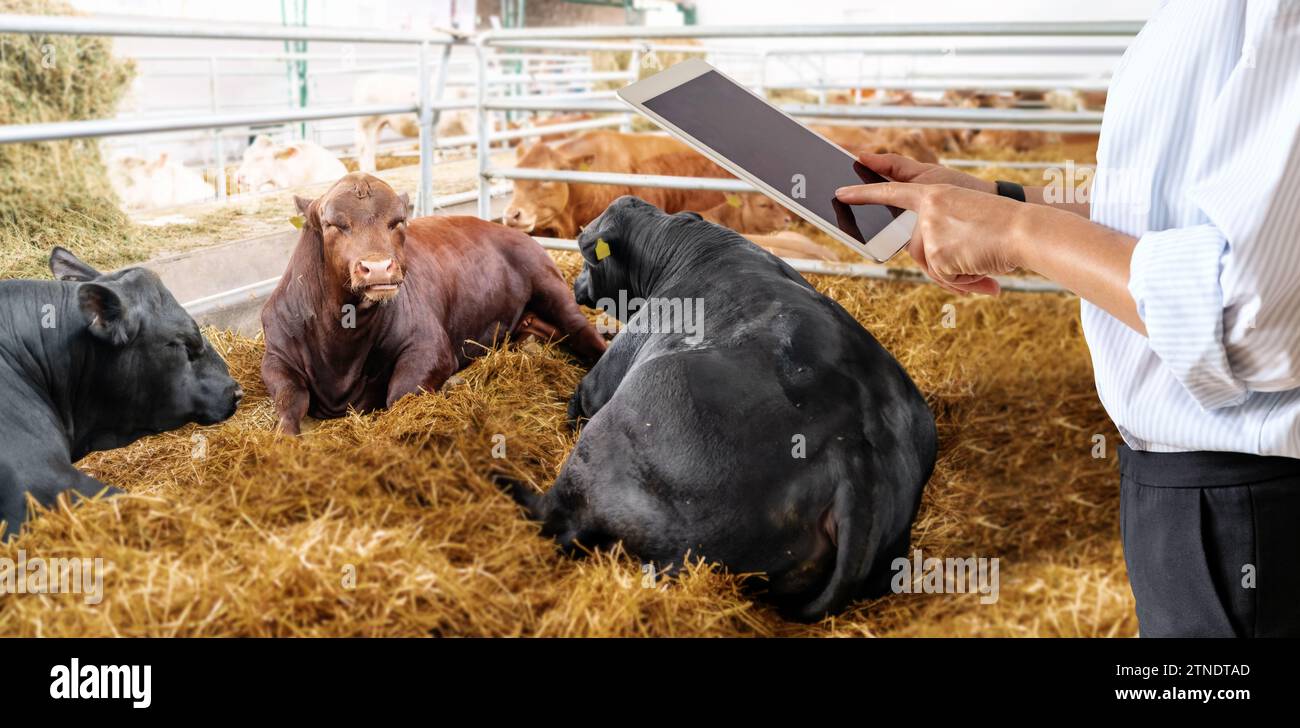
pixel 296 68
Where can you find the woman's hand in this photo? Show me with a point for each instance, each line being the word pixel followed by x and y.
pixel 961 236
pixel 904 169
pixel 964 234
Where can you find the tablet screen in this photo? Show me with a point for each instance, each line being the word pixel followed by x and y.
pixel 778 150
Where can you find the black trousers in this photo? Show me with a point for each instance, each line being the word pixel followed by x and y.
pixel 1212 543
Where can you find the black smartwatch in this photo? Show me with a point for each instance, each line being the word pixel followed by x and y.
pixel 1011 189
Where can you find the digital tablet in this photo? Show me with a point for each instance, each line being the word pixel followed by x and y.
pixel 758 142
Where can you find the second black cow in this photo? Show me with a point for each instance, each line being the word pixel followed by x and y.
pixel 94 361
pixel 771 434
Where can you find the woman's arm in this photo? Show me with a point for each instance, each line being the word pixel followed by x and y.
pixel 1089 259
pixel 963 236
pixel 1035 195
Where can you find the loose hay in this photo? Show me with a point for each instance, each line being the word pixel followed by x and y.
pixel 260 535
pixel 57 193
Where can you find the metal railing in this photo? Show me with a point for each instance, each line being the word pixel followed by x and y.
pixel 538 43
pixel 140 28
pixel 425 108
pixel 589 39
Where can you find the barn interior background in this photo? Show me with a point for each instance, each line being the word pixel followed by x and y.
pixel 128 133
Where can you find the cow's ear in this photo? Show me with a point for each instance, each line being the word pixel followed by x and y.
pixel 521 150
pixel 598 240
pixel 107 315
pixel 67 267
pixel 581 162
pixel 304 206
pixel 406 203
pixel 286 153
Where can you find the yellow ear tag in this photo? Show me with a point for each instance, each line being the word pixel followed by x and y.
pixel 584 168
pixel 733 200
pixel 297 221
pixel 602 249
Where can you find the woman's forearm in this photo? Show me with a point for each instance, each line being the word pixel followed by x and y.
pixel 1089 259
pixel 1036 196
pixel 1033 195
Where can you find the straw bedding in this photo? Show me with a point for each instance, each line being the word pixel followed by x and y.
pixel 387 523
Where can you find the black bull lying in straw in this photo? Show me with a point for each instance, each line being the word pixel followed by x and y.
pixel 775 435
pixel 92 362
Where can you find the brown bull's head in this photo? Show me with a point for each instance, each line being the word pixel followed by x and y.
pixel 361 225
pixel 541 208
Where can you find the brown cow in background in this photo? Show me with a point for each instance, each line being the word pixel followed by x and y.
pixel 612 150
pixel 790 244
pixel 542 208
pixel 560 209
pixel 749 212
pixel 373 307
pixel 885 140
pixel 1019 140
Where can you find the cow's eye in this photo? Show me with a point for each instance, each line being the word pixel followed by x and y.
pixel 395 224
pixel 192 350
pixel 341 227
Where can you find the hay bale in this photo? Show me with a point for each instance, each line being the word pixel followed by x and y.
pixel 256 538
pixel 57 193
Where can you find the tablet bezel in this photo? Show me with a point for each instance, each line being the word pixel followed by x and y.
pixel 880 248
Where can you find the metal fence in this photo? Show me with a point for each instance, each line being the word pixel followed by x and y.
pixel 531 88
pixel 578 39
pixel 426 108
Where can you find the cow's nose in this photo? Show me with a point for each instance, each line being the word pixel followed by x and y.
pixel 371 267
pixel 239 393
pixel 514 215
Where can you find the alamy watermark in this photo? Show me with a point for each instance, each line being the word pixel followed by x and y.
pixel 39 575
pixel 1071 184
pixel 652 316
pixel 76 681
pixel 971 575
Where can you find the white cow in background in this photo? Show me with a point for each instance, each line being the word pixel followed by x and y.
pixel 1067 100
pixel 162 182
pixel 271 166
pixel 385 89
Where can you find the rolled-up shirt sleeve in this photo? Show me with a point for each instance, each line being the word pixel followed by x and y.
pixel 1174 278
pixel 1221 300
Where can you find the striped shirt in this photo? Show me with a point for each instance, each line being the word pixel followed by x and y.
pixel 1199 159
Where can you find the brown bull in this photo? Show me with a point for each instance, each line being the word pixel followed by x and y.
pixel 373 307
